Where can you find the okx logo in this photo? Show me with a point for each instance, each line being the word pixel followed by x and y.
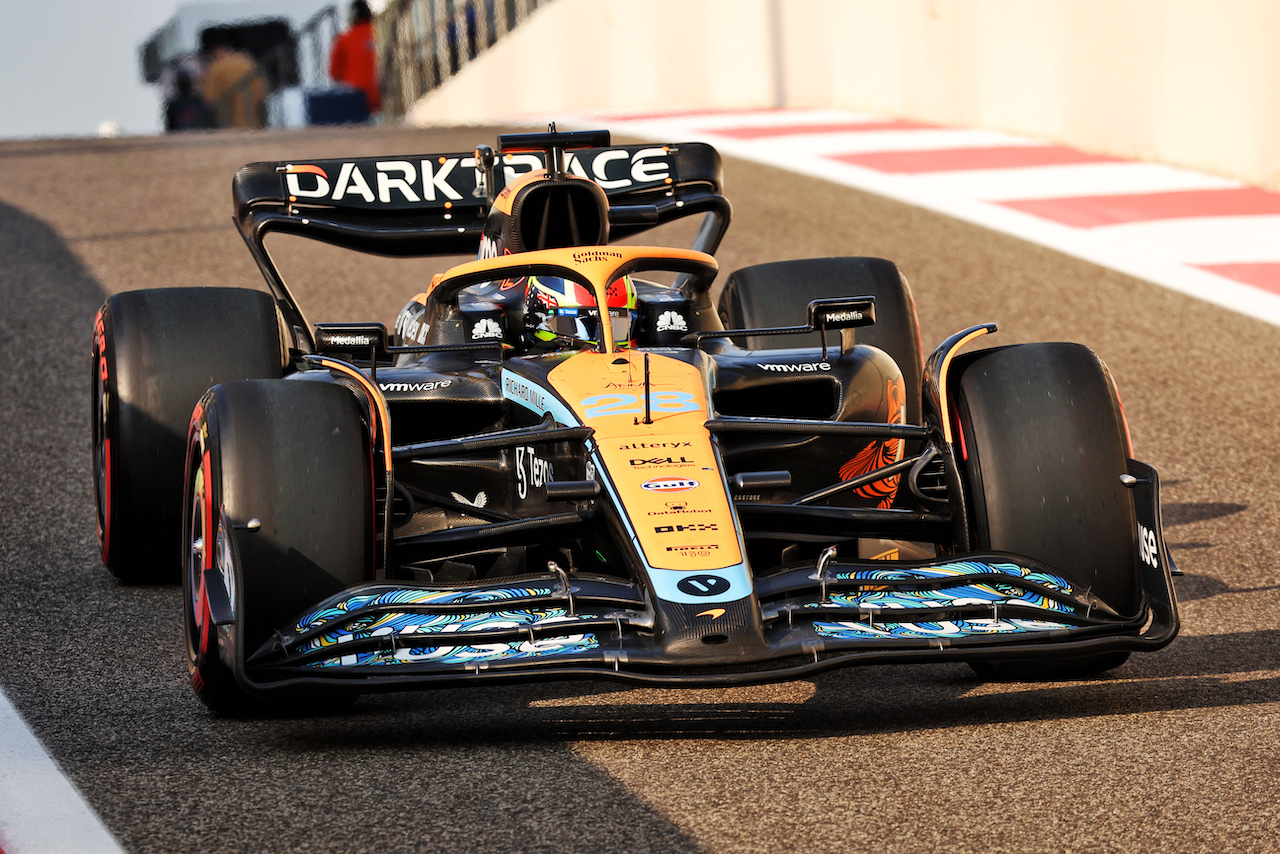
pixel 703 585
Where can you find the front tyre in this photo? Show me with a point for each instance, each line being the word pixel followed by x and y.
pixel 278 516
pixel 1043 446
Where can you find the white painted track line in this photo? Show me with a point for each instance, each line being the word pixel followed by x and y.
pixel 1204 240
pixel 41 812
pixel 1071 179
pixel 865 142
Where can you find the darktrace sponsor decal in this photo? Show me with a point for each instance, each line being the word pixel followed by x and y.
pixel 448 179
pixel 703 585
pixel 405 388
pixel 794 367
pixel 531 470
pixel 388 183
pixel 669 484
pixel 688 526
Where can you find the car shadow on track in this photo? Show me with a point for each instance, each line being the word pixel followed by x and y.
pixel 1206 672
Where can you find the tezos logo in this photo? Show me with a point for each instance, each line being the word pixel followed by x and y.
pixel 486 328
pixel 670 321
pixel 703 585
pixel 669 484
pixel 531 470
pixel 1147 547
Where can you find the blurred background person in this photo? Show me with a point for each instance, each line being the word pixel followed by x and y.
pixel 186 110
pixel 235 89
pixel 353 60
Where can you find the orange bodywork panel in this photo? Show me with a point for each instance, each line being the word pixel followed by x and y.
pixel 660 466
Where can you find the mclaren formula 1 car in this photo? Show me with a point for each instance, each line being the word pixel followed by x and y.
pixel 568 461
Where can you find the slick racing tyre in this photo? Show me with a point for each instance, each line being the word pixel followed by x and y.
pixel 778 294
pixel 1044 445
pixel 154 353
pixel 278 515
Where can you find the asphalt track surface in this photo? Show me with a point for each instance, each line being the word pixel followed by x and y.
pixel 1175 751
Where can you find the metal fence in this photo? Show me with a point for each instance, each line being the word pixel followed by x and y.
pixel 423 43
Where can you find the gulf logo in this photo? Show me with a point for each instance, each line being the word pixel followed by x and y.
pixel 669 484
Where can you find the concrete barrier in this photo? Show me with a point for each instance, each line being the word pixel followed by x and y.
pixel 1194 83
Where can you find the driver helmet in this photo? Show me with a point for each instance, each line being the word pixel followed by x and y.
pixel 559 312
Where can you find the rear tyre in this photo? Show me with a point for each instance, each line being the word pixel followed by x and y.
pixel 279 504
pixel 1044 446
pixel 778 294
pixel 154 353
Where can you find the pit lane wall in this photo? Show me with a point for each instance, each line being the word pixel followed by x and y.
pixel 1193 83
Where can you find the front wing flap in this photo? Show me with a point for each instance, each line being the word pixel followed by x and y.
pixel 981 606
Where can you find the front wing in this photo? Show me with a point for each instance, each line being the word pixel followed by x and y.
pixel 980 606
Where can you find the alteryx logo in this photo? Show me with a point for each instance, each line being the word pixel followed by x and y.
pixel 669 484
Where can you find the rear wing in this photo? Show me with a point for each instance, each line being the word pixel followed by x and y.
pixel 436 204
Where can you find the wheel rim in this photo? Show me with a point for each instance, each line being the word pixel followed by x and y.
pixel 196 541
pixel 202 554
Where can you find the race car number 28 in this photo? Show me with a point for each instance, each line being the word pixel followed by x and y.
pixel 601 405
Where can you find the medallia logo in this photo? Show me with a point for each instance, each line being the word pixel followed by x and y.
pixel 669 484
pixel 486 328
